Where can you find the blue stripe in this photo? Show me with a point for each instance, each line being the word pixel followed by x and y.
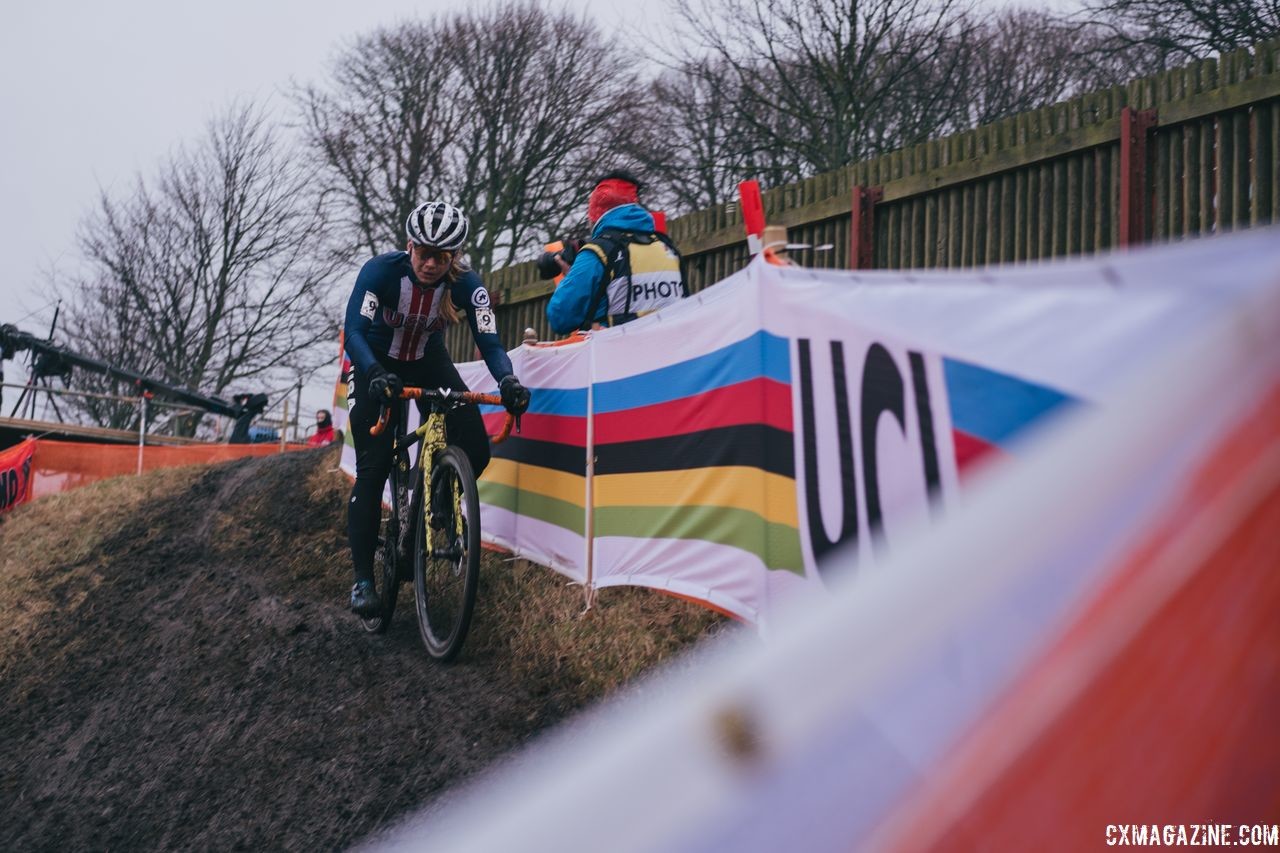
pixel 995 406
pixel 761 354
pixel 550 401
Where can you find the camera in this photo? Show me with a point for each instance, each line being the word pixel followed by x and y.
pixel 546 263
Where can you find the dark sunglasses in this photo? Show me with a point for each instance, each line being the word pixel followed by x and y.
pixel 426 253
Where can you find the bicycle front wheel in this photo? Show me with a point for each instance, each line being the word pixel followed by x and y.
pixel 445 581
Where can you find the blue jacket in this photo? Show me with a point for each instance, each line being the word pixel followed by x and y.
pixel 569 304
pixel 391 315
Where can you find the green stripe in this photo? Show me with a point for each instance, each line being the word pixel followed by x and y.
pixel 524 502
pixel 777 545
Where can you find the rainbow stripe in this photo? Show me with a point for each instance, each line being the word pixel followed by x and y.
pixel 702 450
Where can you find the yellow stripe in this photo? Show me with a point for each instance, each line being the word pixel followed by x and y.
pixel 770 496
pixel 535 478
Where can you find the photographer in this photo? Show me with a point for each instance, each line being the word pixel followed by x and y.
pixel 624 271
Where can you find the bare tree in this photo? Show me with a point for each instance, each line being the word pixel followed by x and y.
pixel 692 137
pixel 382 130
pixel 824 84
pixel 1023 59
pixel 506 112
pixel 546 96
pixel 1170 32
pixel 213 275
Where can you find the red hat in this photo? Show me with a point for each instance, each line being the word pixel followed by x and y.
pixel 611 190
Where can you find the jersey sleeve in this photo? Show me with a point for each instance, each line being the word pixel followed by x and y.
pixel 470 295
pixel 362 307
pixel 572 297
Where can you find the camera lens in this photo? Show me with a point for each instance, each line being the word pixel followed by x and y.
pixel 547 266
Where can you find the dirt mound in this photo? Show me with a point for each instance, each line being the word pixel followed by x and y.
pixel 177 668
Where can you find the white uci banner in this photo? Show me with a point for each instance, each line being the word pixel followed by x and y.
pixel 739 438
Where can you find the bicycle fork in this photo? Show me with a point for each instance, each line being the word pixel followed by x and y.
pixel 433 443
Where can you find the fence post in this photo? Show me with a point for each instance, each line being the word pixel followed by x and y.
pixel 142 430
pixel 1135 132
pixel 284 425
pixel 862 236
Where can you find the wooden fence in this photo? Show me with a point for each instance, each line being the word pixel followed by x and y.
pixel 1195 150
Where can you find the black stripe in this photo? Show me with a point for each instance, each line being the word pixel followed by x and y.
pixel 548 454
pixel 750 445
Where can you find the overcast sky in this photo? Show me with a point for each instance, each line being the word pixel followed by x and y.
pixel 93 93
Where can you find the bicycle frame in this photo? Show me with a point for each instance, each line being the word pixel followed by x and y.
pixel 446 559
pixel 434 440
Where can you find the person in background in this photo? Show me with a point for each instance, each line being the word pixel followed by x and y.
pixel 624 271
pixel 394 334
pixel 324 430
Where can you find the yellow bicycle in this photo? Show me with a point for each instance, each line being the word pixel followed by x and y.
pixel 442 521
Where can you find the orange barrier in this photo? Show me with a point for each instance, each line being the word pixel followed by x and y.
pixel 62 465
pixel 15 474
pixel 1158 706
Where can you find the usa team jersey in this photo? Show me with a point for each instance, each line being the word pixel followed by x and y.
pixel 390 314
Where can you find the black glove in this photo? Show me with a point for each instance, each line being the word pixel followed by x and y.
pixel 515 397
pixel 382 384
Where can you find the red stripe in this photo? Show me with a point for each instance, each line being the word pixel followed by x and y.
pixel 756 401
pixel 416 310
pixel 407 337
pixel 402 352
pixel 971 449
pixel 561 429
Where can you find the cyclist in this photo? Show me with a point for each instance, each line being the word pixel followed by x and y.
pixel 398 309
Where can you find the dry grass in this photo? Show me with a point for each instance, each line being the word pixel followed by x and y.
pixel 52 547
pixel 529 619
pixel 533 620
pixel 178 667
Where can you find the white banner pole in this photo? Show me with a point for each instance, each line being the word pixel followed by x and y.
pixel 589 528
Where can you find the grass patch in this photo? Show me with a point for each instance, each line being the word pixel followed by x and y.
pixel 533 621
pixel 529 620
pixel 52 547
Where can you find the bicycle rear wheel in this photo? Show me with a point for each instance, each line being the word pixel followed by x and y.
pixel 389 558
pixel 445 582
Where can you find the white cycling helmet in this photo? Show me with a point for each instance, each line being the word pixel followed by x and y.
pixel 437 224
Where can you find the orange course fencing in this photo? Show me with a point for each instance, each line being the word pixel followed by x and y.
pixel 61 465
pixel 1168 677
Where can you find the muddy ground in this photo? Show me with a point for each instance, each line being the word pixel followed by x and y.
pixel 177 670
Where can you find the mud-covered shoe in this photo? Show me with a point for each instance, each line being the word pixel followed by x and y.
pixel 364 599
